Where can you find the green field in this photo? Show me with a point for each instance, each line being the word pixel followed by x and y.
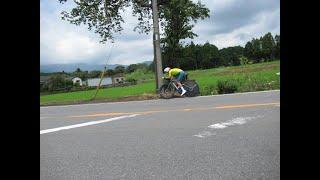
pixel 255 77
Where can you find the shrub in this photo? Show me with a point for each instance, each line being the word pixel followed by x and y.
pixel 243 60
pixel 227 86
pixel 132 80
pixel 208 90
pixel 58 82
pixel 140 75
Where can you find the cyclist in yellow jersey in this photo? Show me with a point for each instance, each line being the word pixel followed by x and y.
pixel 178 74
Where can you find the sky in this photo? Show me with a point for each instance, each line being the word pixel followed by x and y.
pixel 231 23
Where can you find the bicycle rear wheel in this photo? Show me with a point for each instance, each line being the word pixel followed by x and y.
pixel 192 88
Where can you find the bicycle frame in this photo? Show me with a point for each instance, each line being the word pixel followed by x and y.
pixel 173 82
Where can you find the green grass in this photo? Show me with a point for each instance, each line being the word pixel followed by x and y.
pixel 253 77
pixel 107 93
pixel 141 76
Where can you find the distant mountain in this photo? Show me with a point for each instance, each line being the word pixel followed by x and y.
pixel 84 67
pixel 147 62
pixel 72 67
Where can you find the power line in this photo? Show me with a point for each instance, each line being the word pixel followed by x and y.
pixel 102 74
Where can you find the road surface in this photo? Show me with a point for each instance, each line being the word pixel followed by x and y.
pixel 234 136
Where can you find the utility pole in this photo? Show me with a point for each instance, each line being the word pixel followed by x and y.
pixel 156 45
pixel 101 78
pixel 155 65
pixel 102 75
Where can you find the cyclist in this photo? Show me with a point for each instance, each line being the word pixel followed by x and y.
pixel 177 74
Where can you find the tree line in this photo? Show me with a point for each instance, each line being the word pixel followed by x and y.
pixel 196 56
pixel 84 75
pixel 62 80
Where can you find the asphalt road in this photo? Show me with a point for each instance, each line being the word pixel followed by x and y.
pixel 233 136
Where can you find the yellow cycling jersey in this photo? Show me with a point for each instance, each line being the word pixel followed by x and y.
pixel 174 72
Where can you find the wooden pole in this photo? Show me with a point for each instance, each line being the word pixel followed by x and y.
pixel 156 41
pixel 101 77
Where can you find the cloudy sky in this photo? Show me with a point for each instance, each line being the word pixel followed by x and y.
pixel 231 22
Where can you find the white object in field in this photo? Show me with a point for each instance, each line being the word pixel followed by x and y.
pixel 77 80
pixel 95 81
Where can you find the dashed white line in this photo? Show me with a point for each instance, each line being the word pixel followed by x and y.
pixel 84 124
pixel 235 121
pixel 204 134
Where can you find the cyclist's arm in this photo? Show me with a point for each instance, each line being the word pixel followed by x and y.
pixel 170 75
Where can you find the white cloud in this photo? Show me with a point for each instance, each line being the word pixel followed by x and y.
pixel 262 23
pixel 62 42
pixel 232 23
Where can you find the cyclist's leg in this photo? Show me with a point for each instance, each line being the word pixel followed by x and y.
pixel 180 78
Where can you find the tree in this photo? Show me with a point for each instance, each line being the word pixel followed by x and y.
pixel 231 56
pixel 110 72
pixel 257 50
pixel 104 16
pixel 199 56
pixel 268 45
pixel 119 69
pixel 190 55
pixel 277 47
pixel 176 16
pixel 142 66
pixel 188 59
pixel 94 74
pixel 210 55
pixel 244 60
pixel 248 50
pixel 237 53
pixel 58 82
pixel 131 68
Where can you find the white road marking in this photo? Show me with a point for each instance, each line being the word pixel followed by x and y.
pixel 84 124
pixel 94 104
pixel 234 121
pixel 204 134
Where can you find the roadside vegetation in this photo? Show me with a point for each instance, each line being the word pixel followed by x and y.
pixel 251 77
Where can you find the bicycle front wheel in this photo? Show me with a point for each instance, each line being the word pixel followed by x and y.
pixel 166 91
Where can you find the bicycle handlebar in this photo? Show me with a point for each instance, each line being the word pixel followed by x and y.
pixel 173 80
